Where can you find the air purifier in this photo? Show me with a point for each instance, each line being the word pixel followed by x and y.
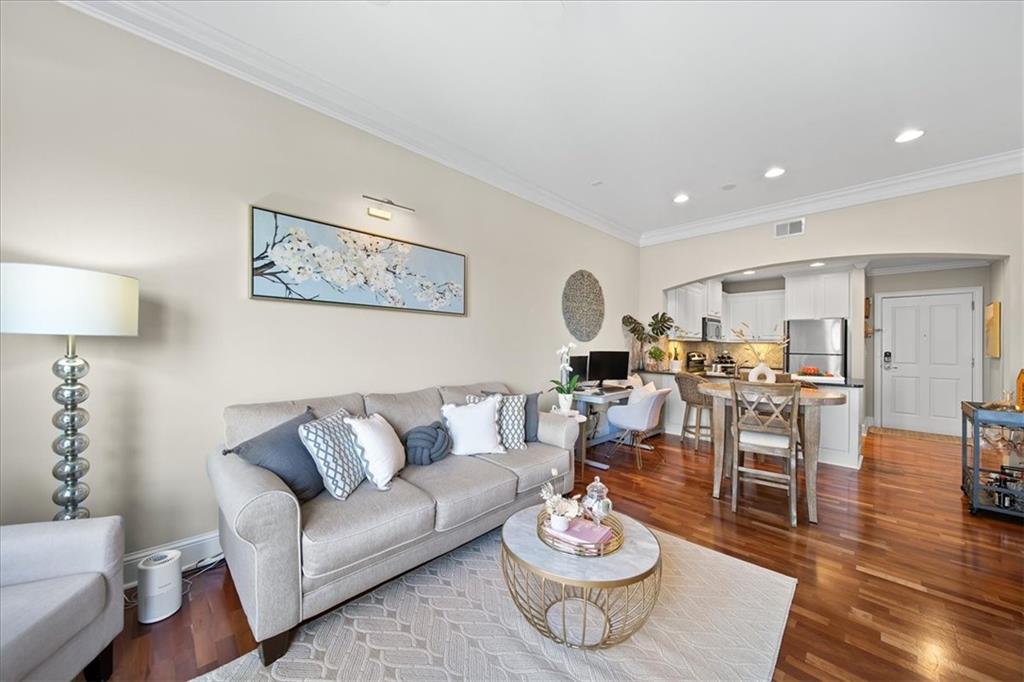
pixel 159 593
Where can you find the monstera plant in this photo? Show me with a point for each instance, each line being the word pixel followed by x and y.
pixel 652 332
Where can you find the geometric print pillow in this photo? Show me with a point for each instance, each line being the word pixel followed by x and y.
pixel 337 453
pixel 511 419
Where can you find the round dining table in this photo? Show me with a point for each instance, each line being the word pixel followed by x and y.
pixel 811 402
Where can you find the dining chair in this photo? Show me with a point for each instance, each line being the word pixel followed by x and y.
pixel 695 401
pixel 766 422
pixel 636 421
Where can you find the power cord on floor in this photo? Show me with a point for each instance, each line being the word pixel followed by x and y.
pixel 187 576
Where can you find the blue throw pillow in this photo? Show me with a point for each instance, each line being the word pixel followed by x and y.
pixel 281 451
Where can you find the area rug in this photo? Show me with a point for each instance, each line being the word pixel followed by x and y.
pixel 717 618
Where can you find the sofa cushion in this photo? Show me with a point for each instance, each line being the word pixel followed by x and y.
pixel 456 395
pixel 533 465
pixel 242 422
pixel 463 488
pixel 281 450
pixel 336 533
pixel 406 410
pixel 39 617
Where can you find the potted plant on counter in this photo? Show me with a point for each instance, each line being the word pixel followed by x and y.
pixel 656 354
pixel 658 327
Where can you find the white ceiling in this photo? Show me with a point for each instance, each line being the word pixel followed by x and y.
pixel 544 99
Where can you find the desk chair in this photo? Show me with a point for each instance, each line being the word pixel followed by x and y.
pixel 637 420
pixel 766 422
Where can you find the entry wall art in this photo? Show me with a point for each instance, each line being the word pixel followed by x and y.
pixel 297 259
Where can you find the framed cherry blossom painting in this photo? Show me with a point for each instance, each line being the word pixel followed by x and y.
pixel 297 259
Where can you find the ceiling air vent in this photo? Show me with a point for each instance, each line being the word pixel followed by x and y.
pixel 789 228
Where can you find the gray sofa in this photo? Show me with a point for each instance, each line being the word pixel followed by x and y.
pixel 61 598
pixel 292 561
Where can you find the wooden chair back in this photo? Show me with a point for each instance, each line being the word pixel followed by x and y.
pixel 688 384
pixel 767 408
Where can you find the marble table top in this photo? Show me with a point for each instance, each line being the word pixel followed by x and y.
pixel 638 555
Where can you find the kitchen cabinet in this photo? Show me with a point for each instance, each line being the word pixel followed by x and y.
pixel 686 306
pixel 713 293
pixel 815 297
pixel 763 311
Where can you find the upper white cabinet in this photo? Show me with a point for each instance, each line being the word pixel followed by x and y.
pixel 713 292
pixel 814 297
pixel 686 306
pixel 762 311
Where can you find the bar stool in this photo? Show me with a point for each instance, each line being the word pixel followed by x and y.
pixel 694 400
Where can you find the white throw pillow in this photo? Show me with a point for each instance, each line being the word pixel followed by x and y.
pixel 634 381
pixel 383 453
pixel 474 428
pixel 640 394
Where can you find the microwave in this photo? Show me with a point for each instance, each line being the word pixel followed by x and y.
pixel 712 329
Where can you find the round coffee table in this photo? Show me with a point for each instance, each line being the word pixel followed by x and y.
pixel 582 602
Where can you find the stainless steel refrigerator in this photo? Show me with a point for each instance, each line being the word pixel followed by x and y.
pixel 820 344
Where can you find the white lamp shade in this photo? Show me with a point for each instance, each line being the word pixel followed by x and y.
pixel 48 299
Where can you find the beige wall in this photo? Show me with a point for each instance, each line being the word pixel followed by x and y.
pixel 982 218
pixel 122 156
pixel 927 281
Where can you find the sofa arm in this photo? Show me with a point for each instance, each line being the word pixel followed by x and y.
pixel 51 549
pixel 557 430
pixel 259 533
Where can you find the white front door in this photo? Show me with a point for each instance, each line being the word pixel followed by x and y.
pixel 927 355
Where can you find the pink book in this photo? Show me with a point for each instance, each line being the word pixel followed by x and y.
pixel 581 531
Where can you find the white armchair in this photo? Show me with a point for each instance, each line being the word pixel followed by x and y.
pixel 637 419
pixel 61 598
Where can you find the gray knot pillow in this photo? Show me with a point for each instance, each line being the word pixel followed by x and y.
pixel 427 444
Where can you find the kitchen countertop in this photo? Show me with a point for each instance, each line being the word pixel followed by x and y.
pixel 850 383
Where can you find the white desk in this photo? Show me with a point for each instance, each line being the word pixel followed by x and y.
pixel 603 432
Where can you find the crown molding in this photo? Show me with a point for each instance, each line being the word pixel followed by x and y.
pixel 177 31
pixel 928 267
pixel 963 172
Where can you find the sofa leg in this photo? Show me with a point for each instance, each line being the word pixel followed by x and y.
pixel 101 668
pixel 275 647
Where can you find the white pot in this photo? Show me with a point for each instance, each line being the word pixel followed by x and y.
pixel 564 402
pixel 762 373
pixel 675 366
pixel 560 523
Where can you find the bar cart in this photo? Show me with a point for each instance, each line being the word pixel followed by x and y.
pixel 999 490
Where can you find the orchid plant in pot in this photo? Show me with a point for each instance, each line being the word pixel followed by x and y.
pixel 567 382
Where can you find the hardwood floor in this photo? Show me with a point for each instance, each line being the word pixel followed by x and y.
pixel 897 582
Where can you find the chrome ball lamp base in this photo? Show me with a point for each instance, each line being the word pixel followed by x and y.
pixel 70 444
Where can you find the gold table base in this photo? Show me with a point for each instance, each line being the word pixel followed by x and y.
pixel 580 615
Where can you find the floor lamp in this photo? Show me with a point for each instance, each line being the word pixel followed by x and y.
pixel 46 299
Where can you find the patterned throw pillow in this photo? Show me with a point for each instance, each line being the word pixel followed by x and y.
pixel 337 453
pixel 511 419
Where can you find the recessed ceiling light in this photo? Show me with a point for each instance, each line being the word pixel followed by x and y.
pixel 750 272
pixel 681 198
pixel 909 135
pixel 774 172
pixel 817 264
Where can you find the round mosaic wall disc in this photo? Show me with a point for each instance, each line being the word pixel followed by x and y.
pixel 583 305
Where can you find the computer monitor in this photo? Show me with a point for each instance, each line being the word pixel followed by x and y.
pixel 608 364
pixel 579 366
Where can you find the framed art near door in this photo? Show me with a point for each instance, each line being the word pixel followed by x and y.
pixel 298 259
pixel 992 329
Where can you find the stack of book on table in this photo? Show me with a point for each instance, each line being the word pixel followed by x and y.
pixel 583 532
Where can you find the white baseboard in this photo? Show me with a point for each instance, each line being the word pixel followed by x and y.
pixel 193 550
